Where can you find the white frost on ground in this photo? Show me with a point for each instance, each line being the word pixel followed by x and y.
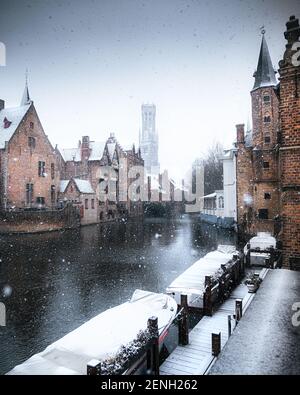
pixel 102 336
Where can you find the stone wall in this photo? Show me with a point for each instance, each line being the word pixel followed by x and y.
pixel 39 221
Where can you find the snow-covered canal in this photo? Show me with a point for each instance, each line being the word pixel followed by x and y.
pixel 52 283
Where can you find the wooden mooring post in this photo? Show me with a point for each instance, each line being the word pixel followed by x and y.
pixel 183 323
pixel 94 368
pixel 229 325
pixel 248 255
pixel 207 302
pixel 216 344
pixel 238 309
pixel 153 351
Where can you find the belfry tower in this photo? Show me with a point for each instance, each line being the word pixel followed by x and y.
pixel 149 139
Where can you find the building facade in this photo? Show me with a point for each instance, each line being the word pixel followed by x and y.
pixel 229 184
pixel 29 172
pixel 289 140
pixel 149 139
pixel 268 163
pixel 80 194
pixel 106 165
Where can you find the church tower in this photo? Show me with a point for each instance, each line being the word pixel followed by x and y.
pixel 149 139
pixel 265 121
pixel 257 153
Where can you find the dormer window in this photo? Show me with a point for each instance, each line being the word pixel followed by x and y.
pixel 6 123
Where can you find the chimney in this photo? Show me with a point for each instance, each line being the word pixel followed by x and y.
pixel 85 148
pixel 2 104
pixel 240 134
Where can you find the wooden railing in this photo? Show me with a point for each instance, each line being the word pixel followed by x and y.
pixel 218 290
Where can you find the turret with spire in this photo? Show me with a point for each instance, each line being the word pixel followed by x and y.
pixel 264 98
pixel 265 73
pixel 26 97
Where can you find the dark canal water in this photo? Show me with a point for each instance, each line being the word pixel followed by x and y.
pixel 52 283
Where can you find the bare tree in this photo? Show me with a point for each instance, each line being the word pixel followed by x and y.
pixel 213 168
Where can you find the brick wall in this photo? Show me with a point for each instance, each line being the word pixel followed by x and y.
pixel 263 110
pixel 22 164
pixel 290 146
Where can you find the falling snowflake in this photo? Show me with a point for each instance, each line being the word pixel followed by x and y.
pixel 7 291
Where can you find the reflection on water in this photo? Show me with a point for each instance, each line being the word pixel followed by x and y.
pixel 62 279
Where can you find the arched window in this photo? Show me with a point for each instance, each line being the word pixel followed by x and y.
pixel 221 202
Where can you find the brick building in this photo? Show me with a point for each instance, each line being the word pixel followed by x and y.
pixel 29 173
pixel 100 162
pixel 81 194
pixel 268 158
pixel 289 139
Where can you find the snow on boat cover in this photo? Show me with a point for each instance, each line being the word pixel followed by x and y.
pixel 262 241
pixel 102 336
pixel 192 281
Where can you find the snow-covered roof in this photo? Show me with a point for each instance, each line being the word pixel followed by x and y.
pixel 63 185
pixel 71 154
pixel 74 154
pixel 97 150
pixel 84 186
pixel 13 115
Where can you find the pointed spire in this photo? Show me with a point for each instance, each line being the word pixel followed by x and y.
pixel 248 125
pixel 265 73
pixel 26 98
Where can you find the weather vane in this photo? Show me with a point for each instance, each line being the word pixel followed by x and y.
pixel 262 29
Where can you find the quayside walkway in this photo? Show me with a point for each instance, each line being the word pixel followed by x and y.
pixel 196 358
pixel 268 337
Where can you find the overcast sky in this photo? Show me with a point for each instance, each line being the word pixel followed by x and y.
pixel 93 63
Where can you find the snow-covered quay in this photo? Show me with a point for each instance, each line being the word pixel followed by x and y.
pixel 267 339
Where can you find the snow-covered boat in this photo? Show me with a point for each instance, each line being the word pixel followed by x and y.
pixel 102 336
pixel 260 247
pixel 192 281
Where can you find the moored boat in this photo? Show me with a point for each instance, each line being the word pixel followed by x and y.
pixel 101 337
